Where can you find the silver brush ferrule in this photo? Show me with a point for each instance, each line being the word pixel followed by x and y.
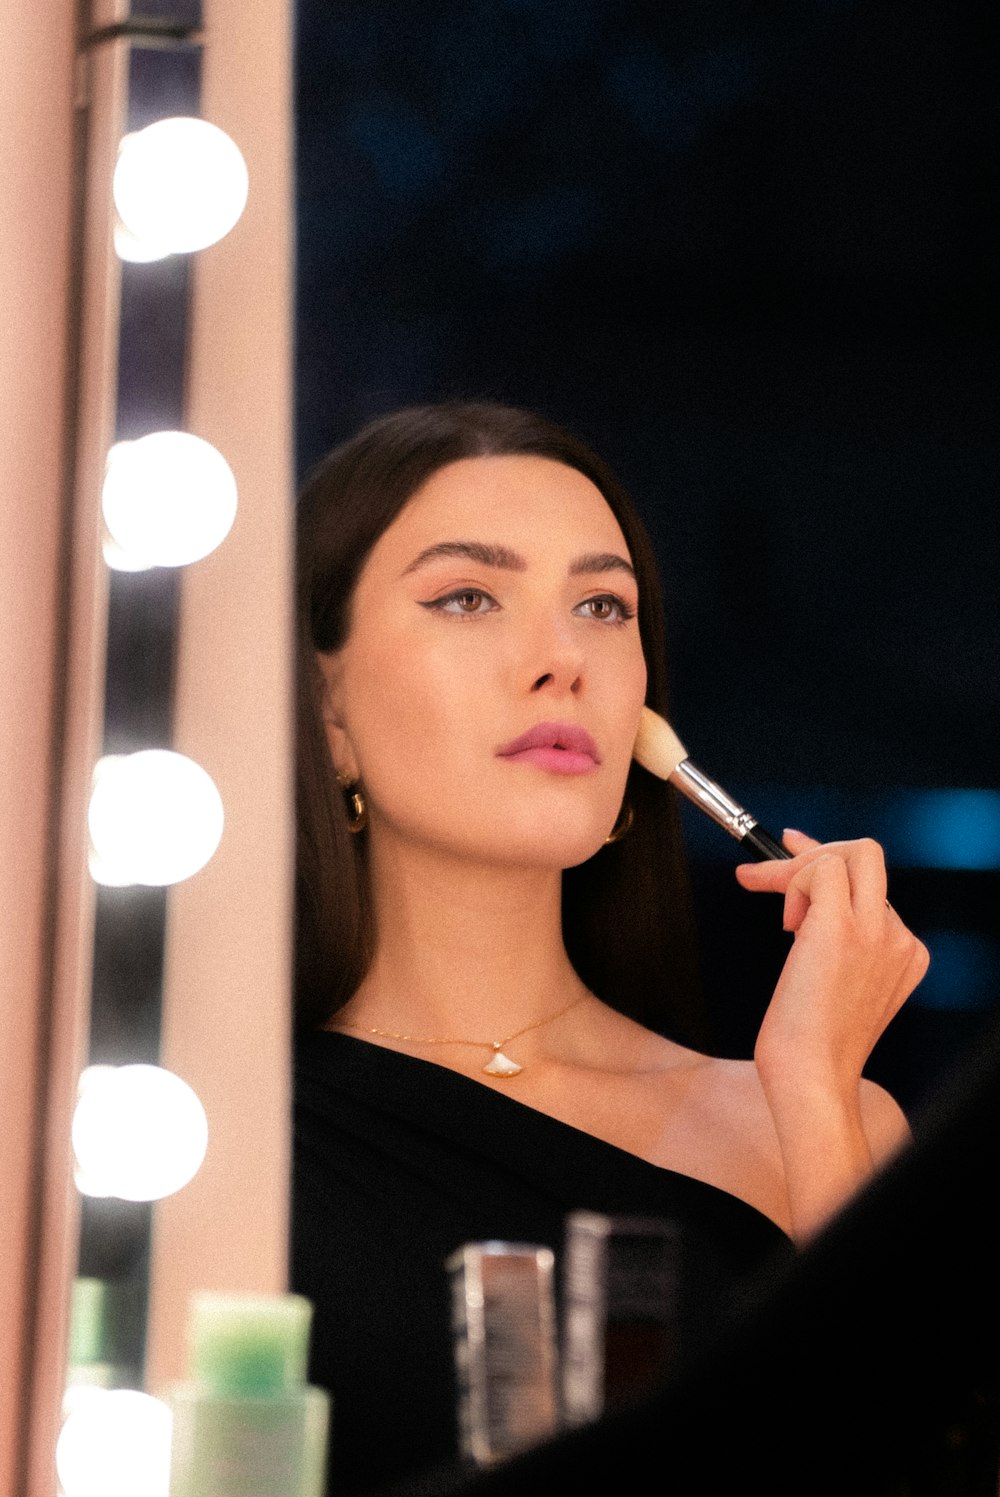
pixel 712 799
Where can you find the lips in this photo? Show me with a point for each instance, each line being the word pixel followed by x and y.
pixel 563 747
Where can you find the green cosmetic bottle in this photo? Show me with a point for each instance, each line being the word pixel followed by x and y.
pixel 86 1360
pixel 246 1423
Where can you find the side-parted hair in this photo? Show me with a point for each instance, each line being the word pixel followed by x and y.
pixel 627 914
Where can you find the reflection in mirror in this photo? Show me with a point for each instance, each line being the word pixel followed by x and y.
pixel 722 250
pixel 720 247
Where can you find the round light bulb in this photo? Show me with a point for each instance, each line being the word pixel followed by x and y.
pixel 117 1444
pixel 155 818
pixel 117 559
pixel 138 251
pixel 179 185
pixel 169 498
pixel 139 1133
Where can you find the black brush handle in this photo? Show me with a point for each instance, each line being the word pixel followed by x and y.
pixel 762 846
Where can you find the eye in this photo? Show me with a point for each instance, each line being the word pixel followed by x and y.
pixel 466 602
pixel 606 608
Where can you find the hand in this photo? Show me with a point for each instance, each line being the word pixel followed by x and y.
pixel 852 965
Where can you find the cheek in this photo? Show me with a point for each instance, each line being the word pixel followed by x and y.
pixel 629 692
pixel 639 678
pixel 412 706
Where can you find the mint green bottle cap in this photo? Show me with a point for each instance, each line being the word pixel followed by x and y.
pixel 248 1345
pixel 86 1322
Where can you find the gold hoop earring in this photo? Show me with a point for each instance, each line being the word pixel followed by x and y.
pixel 357 811
pixel 626 816
pixel 357 818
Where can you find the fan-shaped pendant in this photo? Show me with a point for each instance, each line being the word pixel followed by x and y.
pixel 502 1065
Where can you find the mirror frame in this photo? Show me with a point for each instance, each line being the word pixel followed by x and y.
pixel 233 666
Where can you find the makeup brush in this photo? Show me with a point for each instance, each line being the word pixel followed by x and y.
pixel 658 749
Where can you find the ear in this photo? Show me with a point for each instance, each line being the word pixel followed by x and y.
pixel 331 670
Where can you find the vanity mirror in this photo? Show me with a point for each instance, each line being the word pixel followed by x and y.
pixel 712 244
pixel 727 250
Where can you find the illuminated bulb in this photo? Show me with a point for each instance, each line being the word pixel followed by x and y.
pixel 154 818
pixel 179 185
pixel 79 1395
pixel 119 560
pixel 116 1445
pixel 139 1133
pixel 169 498
pixel 139 251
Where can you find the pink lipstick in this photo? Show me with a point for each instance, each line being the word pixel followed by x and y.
pixel 563 748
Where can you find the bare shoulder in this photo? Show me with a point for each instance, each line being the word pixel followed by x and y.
pixel 730 1136
pixel 733 1116
pixel 733 1088
pixel 736 1090
pixel 885 1123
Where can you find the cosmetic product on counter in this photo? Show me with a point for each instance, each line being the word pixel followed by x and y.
pixel 246 1423
pixel 620 1332
pixel 504 1324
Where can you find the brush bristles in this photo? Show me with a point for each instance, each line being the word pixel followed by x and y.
pixel 657 747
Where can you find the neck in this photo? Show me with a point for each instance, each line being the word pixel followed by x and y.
pixel 463 949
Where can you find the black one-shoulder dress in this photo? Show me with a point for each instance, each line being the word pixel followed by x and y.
pixel 398 1161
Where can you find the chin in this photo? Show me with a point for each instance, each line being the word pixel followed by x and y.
pixel 556 846
pixel 510 835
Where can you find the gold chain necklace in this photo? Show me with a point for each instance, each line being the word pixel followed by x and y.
pixel 499 1064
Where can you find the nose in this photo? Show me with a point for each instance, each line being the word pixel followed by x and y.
pixel 554 661
pixel 557 683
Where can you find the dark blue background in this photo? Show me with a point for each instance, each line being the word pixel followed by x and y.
pixel 749 252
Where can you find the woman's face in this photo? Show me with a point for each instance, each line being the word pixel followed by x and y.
pixel 499 603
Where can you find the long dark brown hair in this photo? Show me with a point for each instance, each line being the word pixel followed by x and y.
pixel 627 914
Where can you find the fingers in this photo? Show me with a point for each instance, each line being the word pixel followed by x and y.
pixel 863 861
pixel 847 881
pixel 766 873
pixel 797 842
pixel 824 877
pixel 796 896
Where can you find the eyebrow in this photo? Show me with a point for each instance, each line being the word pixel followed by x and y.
pixel 477 551
pixel 506 560
pixel 602 561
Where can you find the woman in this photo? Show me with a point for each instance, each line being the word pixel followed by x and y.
pixel 494 949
